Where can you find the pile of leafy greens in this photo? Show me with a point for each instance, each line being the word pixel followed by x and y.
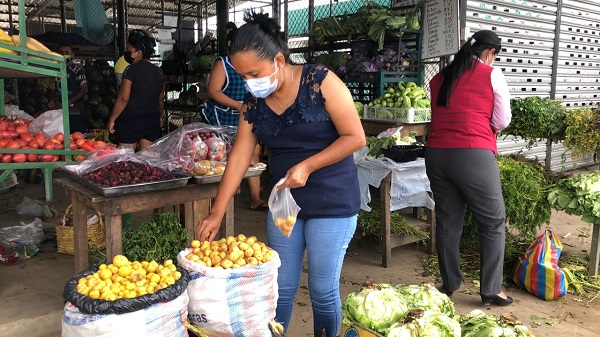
pixel 380 306
pixel 419 322
pixel 578 195
pixel 478 324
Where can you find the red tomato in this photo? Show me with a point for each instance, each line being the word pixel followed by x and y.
pixel 32 157
pixel 77 135
pixel 19 157
pixel 7 158
pixel 60 137
pixel 22 129
pixel 12 145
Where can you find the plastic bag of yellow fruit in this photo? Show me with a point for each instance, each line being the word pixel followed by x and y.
pixel 283 208
pixel 127 298
pixel 233 285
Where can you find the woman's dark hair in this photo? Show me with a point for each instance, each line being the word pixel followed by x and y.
pixel 261 35
pixel 231 29
pixel 140 40
pixel 463 61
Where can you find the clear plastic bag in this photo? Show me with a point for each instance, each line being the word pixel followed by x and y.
pixel 192 143
pixel 32 232
pixel 283 208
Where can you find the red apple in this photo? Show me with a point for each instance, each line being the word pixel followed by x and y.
pixel 77 135
pixel 26 137
pixel 48 157
pixel 3 125
pixel 22 129
pixel 3 142
pixel 12 145
pixel 58 146
pixel 79 158
pixel 11 127
pixel 39 135
pixel 32 157
pixel 48 145
pixel 72 145
pixel 7 158
pixel 80 142
pixel 60 137
pixel 99 144
pixel 33 143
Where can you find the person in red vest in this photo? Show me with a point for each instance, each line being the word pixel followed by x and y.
pixel 470 106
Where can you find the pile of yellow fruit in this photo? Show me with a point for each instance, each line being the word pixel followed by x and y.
pixel 125 279
pixel 230 252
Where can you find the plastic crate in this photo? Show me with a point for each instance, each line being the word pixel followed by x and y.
pixel 403 115
pixel 10 181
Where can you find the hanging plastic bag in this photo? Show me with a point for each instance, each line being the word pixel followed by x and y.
pixel 49 123
pixel 283 208
pixel 538 271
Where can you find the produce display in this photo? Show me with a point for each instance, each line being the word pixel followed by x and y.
pixel 202 63
pixel 230 252
pixel 421 310
pixel 199 149
pixel 32 44
pixel 14 134
pixel 37 95
pixel 578 195
pixel 477 324
pixel 126 279
pixel 102 93
pixel 372 20
pixel 126 173
pixel 406 102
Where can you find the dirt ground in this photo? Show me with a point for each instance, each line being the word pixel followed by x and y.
pixel 31 292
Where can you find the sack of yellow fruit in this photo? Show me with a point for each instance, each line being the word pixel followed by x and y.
pixel 283 208
pixel 233 285
pixel 125 299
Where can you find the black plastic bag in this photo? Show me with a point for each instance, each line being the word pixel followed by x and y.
pixel 91 306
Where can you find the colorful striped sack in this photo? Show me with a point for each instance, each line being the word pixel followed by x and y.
pixel 538 271
pixel 236 301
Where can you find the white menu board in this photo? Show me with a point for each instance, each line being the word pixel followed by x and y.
pixel 440 28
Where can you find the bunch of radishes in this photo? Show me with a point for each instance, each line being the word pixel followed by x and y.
pixel 14 134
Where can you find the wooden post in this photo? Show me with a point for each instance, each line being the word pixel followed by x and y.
pixel 114 235
pixel 80 233
pixel 595 251
pixel 190 225
pixel 386 230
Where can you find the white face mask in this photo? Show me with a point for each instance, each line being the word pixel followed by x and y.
pixel 262 87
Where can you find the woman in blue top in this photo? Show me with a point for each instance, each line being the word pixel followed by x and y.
pixel 226 91
pixel 306 116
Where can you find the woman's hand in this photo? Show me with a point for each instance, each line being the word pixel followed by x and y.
pixel 296 176
pixel 208 228
pixel 111 126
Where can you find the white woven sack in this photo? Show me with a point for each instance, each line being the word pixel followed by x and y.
pixel 158 320
pixel 240 301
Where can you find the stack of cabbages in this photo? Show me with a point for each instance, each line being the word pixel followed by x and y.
pixel 419 311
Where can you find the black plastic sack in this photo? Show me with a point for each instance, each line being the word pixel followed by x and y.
pixel 125 305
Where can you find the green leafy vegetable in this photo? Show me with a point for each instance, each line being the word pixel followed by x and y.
pixel 578 195
pixel 582 135
pixel 420 322
pixel 477 324
pixel 369 223
pixel 376 144
pixel 376 307
pixel 535 118
pixel 427 297
pixel 160 238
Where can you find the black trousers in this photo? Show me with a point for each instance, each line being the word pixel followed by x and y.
pixel 470 177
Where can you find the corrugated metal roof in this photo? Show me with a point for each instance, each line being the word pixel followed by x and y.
pixel 141 13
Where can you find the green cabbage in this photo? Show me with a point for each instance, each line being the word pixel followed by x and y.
pixel 376 307
pixel 426 297
pixel 421 323
pixel 478 324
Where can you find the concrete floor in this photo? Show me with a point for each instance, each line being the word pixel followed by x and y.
pixel 31 300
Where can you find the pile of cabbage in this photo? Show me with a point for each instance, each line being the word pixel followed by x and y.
pixel 421 311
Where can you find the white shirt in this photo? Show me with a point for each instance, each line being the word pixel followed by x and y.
pixel 501 114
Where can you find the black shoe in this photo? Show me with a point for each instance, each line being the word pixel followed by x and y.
pixel 443 290
pixel 496 299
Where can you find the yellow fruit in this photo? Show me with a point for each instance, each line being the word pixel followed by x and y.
pixel 114 270
pixel 258 255
pixel 251 240
pixel 164 272
pixel 256 247
pixel 177 275
pixel 222 241
pixel 205 245
pixel 82 280
pixel 241 237
pixel 102 266
pixel 120 260
pixel 168 262
pixel 145 264
pixel 230 240
pixel 136 265
pixel 196 250
pixel 252 260
pixel 248 252
pixel 195 244
pixel 80 287
pixel 226 264
pixel 222 255
pixel 112 297
pixel 155 278
pixel 195 258
pixel 130 294
pixel 124 271
pixel 235 265
pixel 105 274
pixel 95 294
pixel 243 245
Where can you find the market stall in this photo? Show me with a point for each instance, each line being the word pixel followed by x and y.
pixel 19 60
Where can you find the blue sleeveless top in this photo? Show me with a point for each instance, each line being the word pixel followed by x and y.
pixel 301 131
pixel 234 88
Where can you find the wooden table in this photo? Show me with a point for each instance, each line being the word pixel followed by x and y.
pixel 196 199
pixel 387 241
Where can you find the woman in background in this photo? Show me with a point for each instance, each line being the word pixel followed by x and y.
pixel 470 105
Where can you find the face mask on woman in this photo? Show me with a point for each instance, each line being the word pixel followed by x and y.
pixel 128 58
pixel 262 87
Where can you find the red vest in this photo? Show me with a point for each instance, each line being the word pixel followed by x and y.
pixel 466 123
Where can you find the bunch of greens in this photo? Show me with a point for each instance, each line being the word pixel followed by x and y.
pixel 582 133
pixel 477 324
pixel 375 306
pixel 376 144
pixel 369 223
pixel 419 323
pixel 535 118
pixel 525 186
pixel 578 195
pixel 160 238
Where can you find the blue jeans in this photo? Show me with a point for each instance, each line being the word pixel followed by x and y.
pixel 326 241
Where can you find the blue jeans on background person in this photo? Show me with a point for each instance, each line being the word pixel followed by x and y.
pixel 326 240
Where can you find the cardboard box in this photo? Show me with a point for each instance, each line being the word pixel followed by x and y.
pixel 357 330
